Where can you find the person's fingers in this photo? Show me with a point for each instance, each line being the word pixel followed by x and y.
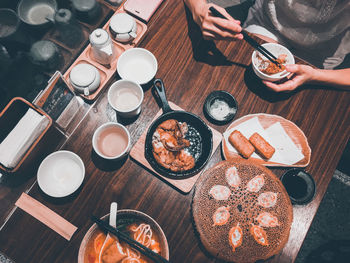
pixel 289 85
pixel 220 34
pixel 224 13
pixel 222 29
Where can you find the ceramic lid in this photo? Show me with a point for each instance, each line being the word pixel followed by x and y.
pixel 122 23
pixel 99 37
pixel 43 50
pixel 83 75
pixel 84 5
pixel 63 16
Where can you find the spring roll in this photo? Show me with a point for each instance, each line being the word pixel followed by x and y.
pixel 261 146
pixel 241 144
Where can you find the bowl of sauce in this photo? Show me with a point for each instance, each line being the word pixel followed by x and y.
pixel 300 186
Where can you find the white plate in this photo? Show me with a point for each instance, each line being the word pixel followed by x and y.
pixel 61 174
pixel 138 65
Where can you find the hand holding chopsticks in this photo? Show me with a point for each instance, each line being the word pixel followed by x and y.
pixel 250 40
pixel 133 243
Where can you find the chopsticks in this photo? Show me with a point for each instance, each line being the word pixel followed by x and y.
pixel 250 40
pixel 133 243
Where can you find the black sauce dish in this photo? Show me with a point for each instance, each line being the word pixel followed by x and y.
pixel 300 186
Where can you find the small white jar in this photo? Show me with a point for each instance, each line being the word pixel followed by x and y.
pixel 85 78
pixel 123 27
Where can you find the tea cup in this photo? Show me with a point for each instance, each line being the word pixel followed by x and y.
pixel 111 141
pixel 126 97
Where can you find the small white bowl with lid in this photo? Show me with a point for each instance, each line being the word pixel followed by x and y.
pixel 85 78
pixel 123 27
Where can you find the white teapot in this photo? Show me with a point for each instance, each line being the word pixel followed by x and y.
pixel 103 50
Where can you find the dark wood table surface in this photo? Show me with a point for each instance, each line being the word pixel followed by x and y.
pixel 191 68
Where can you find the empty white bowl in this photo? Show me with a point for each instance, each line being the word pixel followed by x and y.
pixel 138 65
pixel 276 50
pixel 125 97
pixel 61 173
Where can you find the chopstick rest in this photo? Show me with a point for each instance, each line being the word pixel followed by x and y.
pixel 46 216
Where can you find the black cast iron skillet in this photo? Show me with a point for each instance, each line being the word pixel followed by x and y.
pixel 206 135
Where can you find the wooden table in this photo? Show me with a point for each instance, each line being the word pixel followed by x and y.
pixel 190 68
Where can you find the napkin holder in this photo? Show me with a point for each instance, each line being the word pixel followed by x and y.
pixel 9 117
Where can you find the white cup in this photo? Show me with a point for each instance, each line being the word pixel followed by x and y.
pixel 111 141
pixel 125 97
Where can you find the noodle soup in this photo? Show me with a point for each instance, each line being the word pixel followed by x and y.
pixel 138 226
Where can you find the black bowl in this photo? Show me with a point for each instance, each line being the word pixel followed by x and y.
pixel 224 96
pixel 300 186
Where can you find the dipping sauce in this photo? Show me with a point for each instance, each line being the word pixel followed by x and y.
pixel 126 99
pixel 295 186
pixel 112 141
pixel 220 109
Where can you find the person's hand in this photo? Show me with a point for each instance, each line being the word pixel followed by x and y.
pixel 301 74
pixel 217 28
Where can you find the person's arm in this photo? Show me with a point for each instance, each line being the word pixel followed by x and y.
pixel 303 74
pixel 214 27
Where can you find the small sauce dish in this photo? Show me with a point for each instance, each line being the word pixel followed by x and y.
pixel 61 173
pixel 300 186
pixel 220 107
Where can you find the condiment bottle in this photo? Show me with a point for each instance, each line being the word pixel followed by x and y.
pixel 103 50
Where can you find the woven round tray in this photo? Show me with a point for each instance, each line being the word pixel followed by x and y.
pixel 241 211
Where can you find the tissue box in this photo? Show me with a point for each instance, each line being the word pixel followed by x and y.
pixel 9 118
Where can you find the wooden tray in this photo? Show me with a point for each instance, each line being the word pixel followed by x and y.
pixel 138 154
pixel 106 72
pixel 266 120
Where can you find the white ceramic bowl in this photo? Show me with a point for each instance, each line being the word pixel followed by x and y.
pixel 138 65
pixel 126 213
pixel 125 97
pixel 276 50
pixel 61 173
pixel 98 135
